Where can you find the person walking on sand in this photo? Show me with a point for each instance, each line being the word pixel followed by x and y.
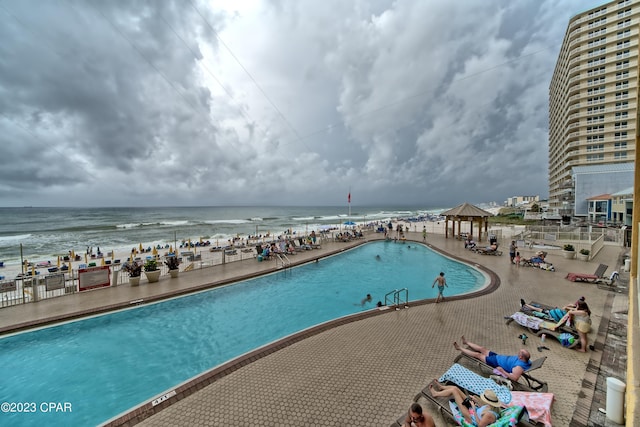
pixel 442 282
pixel 424 233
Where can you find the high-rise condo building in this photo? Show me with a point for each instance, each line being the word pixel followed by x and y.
pixel 592 101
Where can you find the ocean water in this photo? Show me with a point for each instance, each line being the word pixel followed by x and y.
pixel 44 233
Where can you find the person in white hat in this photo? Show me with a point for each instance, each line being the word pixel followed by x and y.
pixel 482 414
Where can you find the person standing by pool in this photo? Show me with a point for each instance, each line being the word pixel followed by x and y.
pixel 512 251
pixel 442 282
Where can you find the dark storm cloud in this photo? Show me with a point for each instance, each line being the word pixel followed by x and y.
pixel 288 102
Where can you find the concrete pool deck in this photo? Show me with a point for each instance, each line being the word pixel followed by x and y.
pixel 365 371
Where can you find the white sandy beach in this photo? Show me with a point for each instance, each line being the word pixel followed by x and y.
pixel 10 271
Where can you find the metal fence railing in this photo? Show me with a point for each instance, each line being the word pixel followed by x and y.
pixel 33 287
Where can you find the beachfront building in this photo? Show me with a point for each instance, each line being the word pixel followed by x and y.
pixel 622 207
pixel 522 200
pixel 590 183
pixel 592 103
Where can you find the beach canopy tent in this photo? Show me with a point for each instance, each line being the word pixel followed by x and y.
pixel 466 212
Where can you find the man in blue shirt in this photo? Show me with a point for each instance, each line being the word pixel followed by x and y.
pixel 511 367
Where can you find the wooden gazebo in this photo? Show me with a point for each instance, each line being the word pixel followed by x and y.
pixel 466 212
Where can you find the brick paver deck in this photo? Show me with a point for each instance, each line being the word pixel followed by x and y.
pixel 366 372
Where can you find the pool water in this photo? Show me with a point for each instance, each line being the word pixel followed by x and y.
pixel 106 364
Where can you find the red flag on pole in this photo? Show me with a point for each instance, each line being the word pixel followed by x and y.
pixel 349 197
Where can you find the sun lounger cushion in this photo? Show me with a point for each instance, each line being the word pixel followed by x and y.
pixel 473 382
pixel 538 405
pixel 509 417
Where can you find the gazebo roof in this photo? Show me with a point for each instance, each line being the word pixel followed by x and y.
pixel 467 210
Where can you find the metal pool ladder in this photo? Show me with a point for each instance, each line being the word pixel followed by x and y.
pixel 284 260
pixel 394 298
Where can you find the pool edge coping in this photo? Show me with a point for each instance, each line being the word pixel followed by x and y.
pixel 169 397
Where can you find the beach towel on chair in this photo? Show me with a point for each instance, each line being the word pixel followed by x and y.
pixel 509 417
pixel 532 322
pixel 538 405
pixel 475 383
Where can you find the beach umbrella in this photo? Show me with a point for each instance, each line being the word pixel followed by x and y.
pixel 73 255
pixel 102 261
pixel 112 254
pixel 171 249
pixel 349 223
pixel 155 251
pixel 58 261
pixel 189 242
pixel 200 240
pixel 141 248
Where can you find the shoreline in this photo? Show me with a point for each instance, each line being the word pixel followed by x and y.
pixel 11 270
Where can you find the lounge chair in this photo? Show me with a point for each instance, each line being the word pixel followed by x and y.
pixel 525 383
pixel 473 383
pixel 582 277
pixel 470 381
pixel 596 277
pixel 539 323
pixel 487 250
pixel 511 416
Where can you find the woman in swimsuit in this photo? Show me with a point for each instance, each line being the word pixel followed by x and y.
pixel 482 416
pixel 581 317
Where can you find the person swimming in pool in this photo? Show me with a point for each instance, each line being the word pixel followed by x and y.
pixel 366 299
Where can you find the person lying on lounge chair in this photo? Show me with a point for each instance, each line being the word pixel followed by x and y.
pixel 511 367
pixel 486 410
pixel 491 248
pixel 554 314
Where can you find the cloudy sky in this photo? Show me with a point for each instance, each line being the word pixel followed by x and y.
pixel 283 102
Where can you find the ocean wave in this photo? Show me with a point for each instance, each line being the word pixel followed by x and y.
pixel 128 225
pixel 227 221
pixel 16 238
pixel 327 218
pixel 303 218
pixel 175 222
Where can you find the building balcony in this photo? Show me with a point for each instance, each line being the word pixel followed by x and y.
pixel 574 70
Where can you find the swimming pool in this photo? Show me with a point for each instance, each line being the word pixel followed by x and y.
pixel 107 364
